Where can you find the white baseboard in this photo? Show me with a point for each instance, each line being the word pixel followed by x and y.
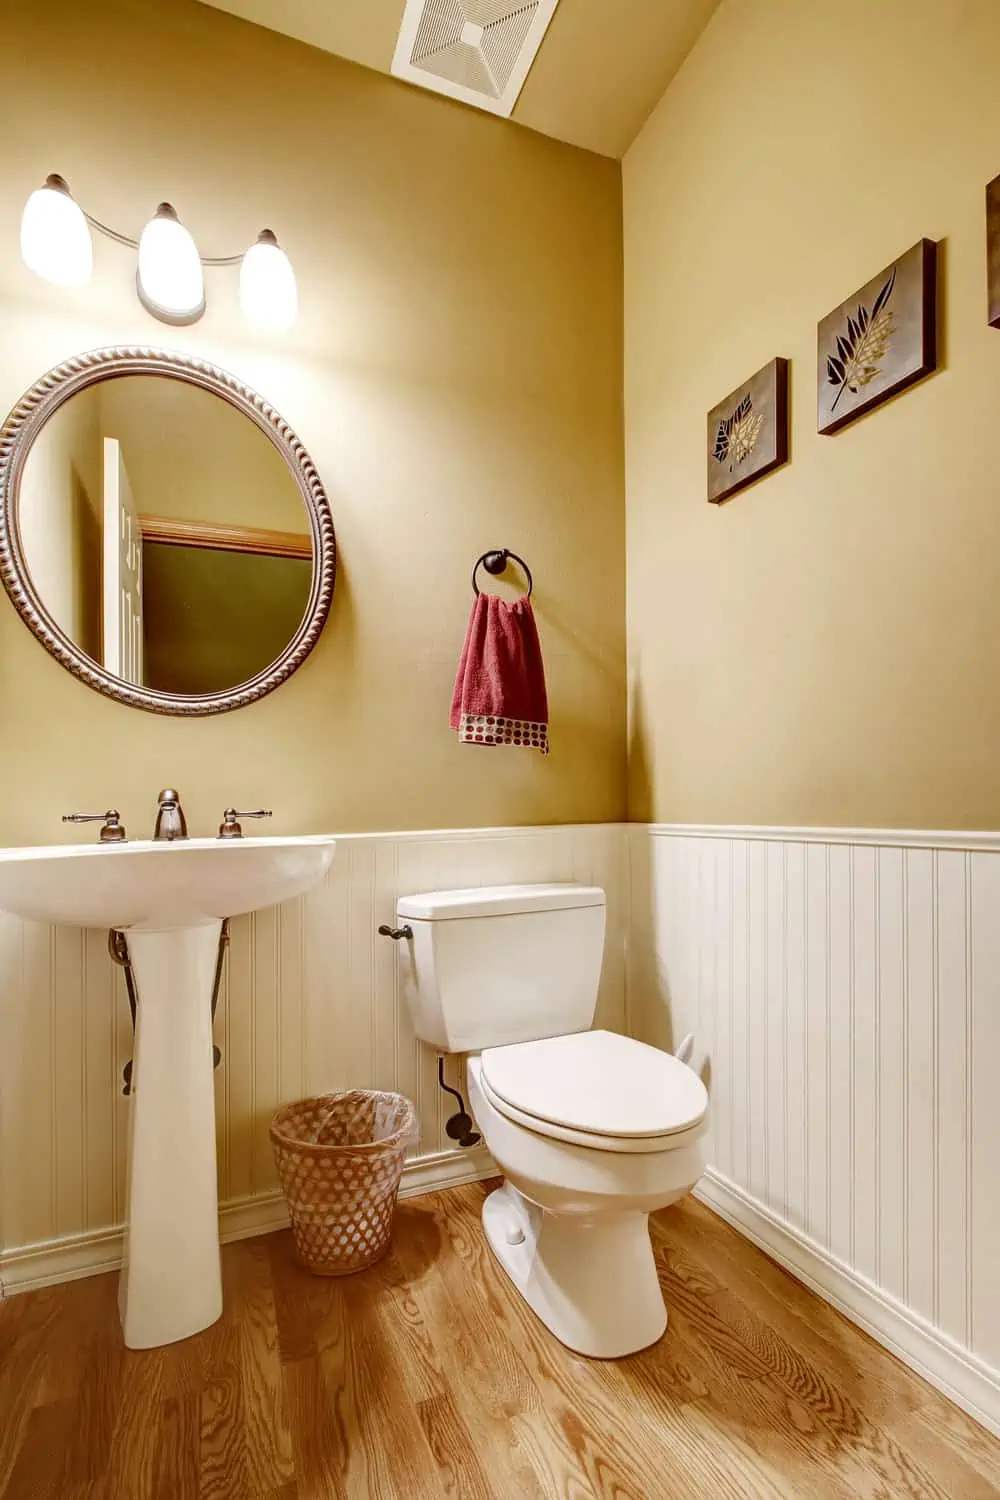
pixel 73 1256
pixel 965 1379
pixel 242 1218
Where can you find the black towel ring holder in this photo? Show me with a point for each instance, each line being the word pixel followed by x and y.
pixel 496 562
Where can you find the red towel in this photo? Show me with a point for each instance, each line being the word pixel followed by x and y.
pixel 499 696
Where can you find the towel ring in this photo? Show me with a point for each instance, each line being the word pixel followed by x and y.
pixel 496 562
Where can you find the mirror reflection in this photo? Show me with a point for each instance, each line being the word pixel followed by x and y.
pixel 165 534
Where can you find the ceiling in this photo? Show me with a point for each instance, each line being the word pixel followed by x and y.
pixel 600 70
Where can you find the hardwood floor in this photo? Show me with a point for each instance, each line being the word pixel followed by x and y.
pixel 428 1377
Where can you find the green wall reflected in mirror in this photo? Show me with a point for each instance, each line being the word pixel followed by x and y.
pixel 215 617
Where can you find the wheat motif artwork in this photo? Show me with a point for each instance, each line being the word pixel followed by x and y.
pixel 861 349
pixel 879 341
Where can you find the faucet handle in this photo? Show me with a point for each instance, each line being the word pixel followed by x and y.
pixel 113 831
pixel 229 828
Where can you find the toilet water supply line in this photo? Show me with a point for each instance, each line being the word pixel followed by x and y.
pixel 461 1127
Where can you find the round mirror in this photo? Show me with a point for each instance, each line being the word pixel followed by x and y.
pixel 162 531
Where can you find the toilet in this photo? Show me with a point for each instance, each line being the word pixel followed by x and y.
pixel 592 1131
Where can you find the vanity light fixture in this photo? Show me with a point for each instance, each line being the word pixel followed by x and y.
pixel 169 278
pixel 268 294
pixel 56 244
pixel 55 240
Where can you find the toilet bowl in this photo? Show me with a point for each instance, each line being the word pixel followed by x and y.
pixel 593 1131
pixel 570 1225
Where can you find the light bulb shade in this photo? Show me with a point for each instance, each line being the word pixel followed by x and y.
pixel 169 278
pixel 55 236
pixel 268 294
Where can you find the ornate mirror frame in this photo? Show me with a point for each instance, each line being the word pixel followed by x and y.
pixel 18 434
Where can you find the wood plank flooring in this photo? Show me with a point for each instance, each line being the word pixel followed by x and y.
pixel 427 1377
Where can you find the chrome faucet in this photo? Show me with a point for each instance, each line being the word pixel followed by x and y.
pixel 170 820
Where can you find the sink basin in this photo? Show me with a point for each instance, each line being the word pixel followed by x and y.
pixel 170 898
pixel 158 885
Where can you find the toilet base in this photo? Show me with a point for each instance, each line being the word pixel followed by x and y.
pixel 590 1278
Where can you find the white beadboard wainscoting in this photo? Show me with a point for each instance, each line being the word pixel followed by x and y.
pixel 844 992
pixel 310 1003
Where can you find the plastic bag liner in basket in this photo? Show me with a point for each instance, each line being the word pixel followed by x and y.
pixel 340 1158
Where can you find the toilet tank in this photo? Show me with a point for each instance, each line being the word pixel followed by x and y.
pixel 499 964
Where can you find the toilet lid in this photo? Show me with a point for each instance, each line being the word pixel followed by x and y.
pixel 599 1083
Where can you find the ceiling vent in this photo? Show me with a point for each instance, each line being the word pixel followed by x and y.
pixel 478 51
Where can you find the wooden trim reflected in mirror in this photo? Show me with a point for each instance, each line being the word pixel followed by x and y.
pixel 19 432
pixel 170 533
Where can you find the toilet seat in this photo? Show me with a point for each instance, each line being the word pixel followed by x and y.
pixel 596 1089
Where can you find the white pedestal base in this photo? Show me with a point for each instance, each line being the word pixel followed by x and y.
pixel 590 1278
pixel 171 1283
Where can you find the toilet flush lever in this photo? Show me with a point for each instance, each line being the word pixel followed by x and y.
pixel 396 933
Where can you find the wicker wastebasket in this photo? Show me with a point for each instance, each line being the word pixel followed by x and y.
pixel 340 1158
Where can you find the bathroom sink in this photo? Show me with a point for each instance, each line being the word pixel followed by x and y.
pixel 147 884
pixel 170 898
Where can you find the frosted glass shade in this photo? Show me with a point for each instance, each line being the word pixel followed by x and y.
pixel 268 294
pixel 170 281
pixel 55 236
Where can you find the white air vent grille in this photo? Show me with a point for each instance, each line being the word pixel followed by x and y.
pixel 479 51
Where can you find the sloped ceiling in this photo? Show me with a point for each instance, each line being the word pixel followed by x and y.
pixel 600 70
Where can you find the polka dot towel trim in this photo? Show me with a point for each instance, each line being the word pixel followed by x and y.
pixel 487 729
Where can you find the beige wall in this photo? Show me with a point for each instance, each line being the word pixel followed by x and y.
pixel 60 518
pixel 823 650
pixel 193 457
pixel 455 372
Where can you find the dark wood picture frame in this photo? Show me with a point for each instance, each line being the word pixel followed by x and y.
pixel 880 340
pixel 748 432
pixel 993 252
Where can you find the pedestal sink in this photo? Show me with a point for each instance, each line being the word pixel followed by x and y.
pixel 171 899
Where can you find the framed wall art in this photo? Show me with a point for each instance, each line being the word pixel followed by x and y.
pixel 748 432
pixel 880 340
pixel 993 252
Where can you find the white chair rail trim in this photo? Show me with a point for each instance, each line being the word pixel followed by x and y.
pixel 885 838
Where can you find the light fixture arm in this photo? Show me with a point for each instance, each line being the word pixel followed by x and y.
pixel 131 244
